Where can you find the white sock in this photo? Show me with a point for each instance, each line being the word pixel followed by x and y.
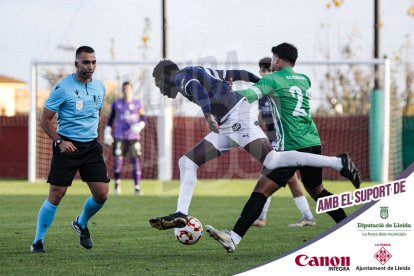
pixel 292 158
pixel 303 206
pixel 263 214
pixel 235 237
pixel 188 181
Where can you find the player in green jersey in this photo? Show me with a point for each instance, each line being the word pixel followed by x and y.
pixel 295 130
pixel 268 125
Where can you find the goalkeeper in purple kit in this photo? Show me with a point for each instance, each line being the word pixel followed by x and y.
pixel 128 117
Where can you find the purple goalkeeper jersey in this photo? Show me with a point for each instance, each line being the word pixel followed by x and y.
pixel 126 117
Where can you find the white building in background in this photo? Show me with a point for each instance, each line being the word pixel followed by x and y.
pixel 10 89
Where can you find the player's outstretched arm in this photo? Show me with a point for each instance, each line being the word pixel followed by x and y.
pixel 238 75
pixel 264 87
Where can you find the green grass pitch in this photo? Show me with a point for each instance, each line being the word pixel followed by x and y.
pixel 125 244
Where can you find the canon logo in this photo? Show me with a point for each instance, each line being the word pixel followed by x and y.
pixel 303 260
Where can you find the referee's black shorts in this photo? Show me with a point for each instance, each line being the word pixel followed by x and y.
pixel 311 176
pixel 87 159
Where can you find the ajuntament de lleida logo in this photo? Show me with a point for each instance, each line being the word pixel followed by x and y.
pixel 384 212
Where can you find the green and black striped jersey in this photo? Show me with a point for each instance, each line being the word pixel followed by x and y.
pixel 289 93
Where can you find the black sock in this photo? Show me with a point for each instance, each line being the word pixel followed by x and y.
pixel 337 215
pixel 250 213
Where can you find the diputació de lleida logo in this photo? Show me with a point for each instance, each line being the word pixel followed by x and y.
pixel 384 212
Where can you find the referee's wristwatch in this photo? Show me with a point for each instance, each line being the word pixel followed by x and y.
pixel 58 141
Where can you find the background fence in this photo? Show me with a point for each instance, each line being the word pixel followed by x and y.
pixel 338 133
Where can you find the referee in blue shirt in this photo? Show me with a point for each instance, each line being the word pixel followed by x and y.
pixel 77 99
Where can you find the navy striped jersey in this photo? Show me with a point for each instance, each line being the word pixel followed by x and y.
pixel 210 90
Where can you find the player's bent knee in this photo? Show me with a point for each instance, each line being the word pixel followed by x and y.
pixel 266 186
pixel 271 160
pixel 188 171
pixel 186 163
pixel 56 194
pixel 100 198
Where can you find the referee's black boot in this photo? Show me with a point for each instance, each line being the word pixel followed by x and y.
pixel 84 235
pixel 37 247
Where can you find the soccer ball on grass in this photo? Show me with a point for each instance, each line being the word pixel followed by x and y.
pixel 191 233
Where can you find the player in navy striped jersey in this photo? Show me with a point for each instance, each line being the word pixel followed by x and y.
pixel 233 123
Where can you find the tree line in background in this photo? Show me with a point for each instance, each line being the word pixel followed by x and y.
pixel 346 89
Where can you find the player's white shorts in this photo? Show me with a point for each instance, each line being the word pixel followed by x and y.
pixel 239 129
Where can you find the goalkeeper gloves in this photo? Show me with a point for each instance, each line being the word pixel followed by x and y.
pixel 136 128
pixel 108 139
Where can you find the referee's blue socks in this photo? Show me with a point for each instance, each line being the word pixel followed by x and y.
pixel 44 220
pixel 89 209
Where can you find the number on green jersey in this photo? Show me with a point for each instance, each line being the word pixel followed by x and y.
pixel 297 93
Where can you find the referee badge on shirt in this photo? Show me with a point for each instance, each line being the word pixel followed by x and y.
pixel 79 105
